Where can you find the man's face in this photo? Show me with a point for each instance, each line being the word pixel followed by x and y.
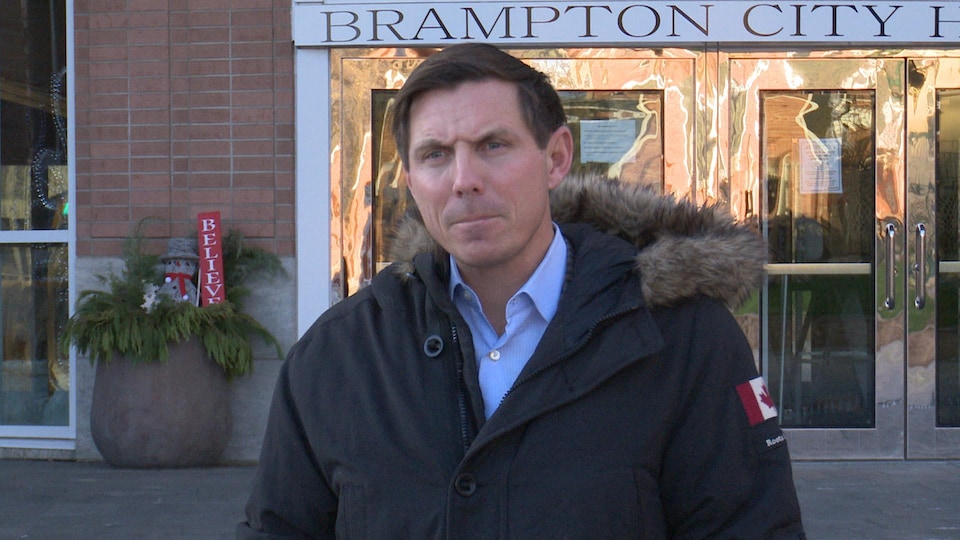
pixel 480 181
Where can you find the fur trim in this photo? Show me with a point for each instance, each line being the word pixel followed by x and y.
pixel 683 249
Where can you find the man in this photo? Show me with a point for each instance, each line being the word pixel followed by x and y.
pixel 513 378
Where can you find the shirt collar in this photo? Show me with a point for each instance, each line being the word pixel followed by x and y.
pixel 544 285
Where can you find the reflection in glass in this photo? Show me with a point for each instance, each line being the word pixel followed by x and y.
pixel 390 198
pixel 34 304
pixel 818 162
pixel 948 253
pixel 615 134
pixel 33 116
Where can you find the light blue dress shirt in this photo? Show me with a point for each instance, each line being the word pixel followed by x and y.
pixel 501 358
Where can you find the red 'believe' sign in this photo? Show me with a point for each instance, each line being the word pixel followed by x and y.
pixel 211 258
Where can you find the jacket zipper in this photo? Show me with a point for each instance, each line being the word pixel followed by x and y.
pixel 461 391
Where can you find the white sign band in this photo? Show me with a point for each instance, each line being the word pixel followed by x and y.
pixel 590 24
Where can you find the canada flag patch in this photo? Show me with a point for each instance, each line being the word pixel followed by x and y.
pixel 756 400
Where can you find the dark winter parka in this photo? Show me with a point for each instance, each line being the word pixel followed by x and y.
pixel 625 423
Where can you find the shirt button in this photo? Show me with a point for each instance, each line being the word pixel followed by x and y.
pixel 465 484
pixel 494 355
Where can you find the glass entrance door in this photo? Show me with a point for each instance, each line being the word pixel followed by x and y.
pixel 816 144
pixel 933 312
pixel 853 163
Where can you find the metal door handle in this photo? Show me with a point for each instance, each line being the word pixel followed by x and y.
pixel 920 267
pixel 891 232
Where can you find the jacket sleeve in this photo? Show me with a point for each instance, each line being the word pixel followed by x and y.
pixel 726 471
pixel 290 496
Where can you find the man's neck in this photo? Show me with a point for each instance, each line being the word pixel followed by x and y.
pixel 494 291
pixel 495 286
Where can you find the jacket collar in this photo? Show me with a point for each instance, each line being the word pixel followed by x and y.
pixel 679 249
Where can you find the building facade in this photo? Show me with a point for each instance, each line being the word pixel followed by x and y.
pixel 833 129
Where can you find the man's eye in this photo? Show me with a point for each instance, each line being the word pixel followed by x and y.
pixel 433 154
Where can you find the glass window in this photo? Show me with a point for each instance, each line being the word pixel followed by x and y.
pixel 948 253
pixel 34 300
pixel 819 171
pixel 35 379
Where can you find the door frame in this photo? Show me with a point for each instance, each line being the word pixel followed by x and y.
pixel 925 439
pixel 747 74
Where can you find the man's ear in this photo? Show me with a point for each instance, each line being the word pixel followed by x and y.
pixel 405 178
pixel 559 155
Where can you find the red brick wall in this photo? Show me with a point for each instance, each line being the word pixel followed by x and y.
pixel 183 106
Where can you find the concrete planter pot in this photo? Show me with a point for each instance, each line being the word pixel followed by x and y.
pixel 162 415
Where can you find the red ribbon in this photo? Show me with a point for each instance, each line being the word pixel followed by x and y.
pixel 181 280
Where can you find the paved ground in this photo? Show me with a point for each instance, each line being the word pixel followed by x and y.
pixel 66 500
pixel 880 500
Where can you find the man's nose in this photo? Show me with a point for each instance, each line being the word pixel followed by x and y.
pixel 466 175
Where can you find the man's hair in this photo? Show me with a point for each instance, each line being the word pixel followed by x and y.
pixel 471 62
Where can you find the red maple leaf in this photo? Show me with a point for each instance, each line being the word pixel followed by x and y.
pixel 765 397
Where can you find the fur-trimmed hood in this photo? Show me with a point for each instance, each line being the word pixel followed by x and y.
pixel 683 249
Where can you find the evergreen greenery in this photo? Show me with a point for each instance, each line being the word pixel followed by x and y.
pixel 113 321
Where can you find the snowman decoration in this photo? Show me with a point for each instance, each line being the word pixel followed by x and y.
pixel 179 265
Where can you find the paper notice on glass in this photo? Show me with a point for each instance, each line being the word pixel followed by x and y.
pixel 606 141
pixel 820 166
